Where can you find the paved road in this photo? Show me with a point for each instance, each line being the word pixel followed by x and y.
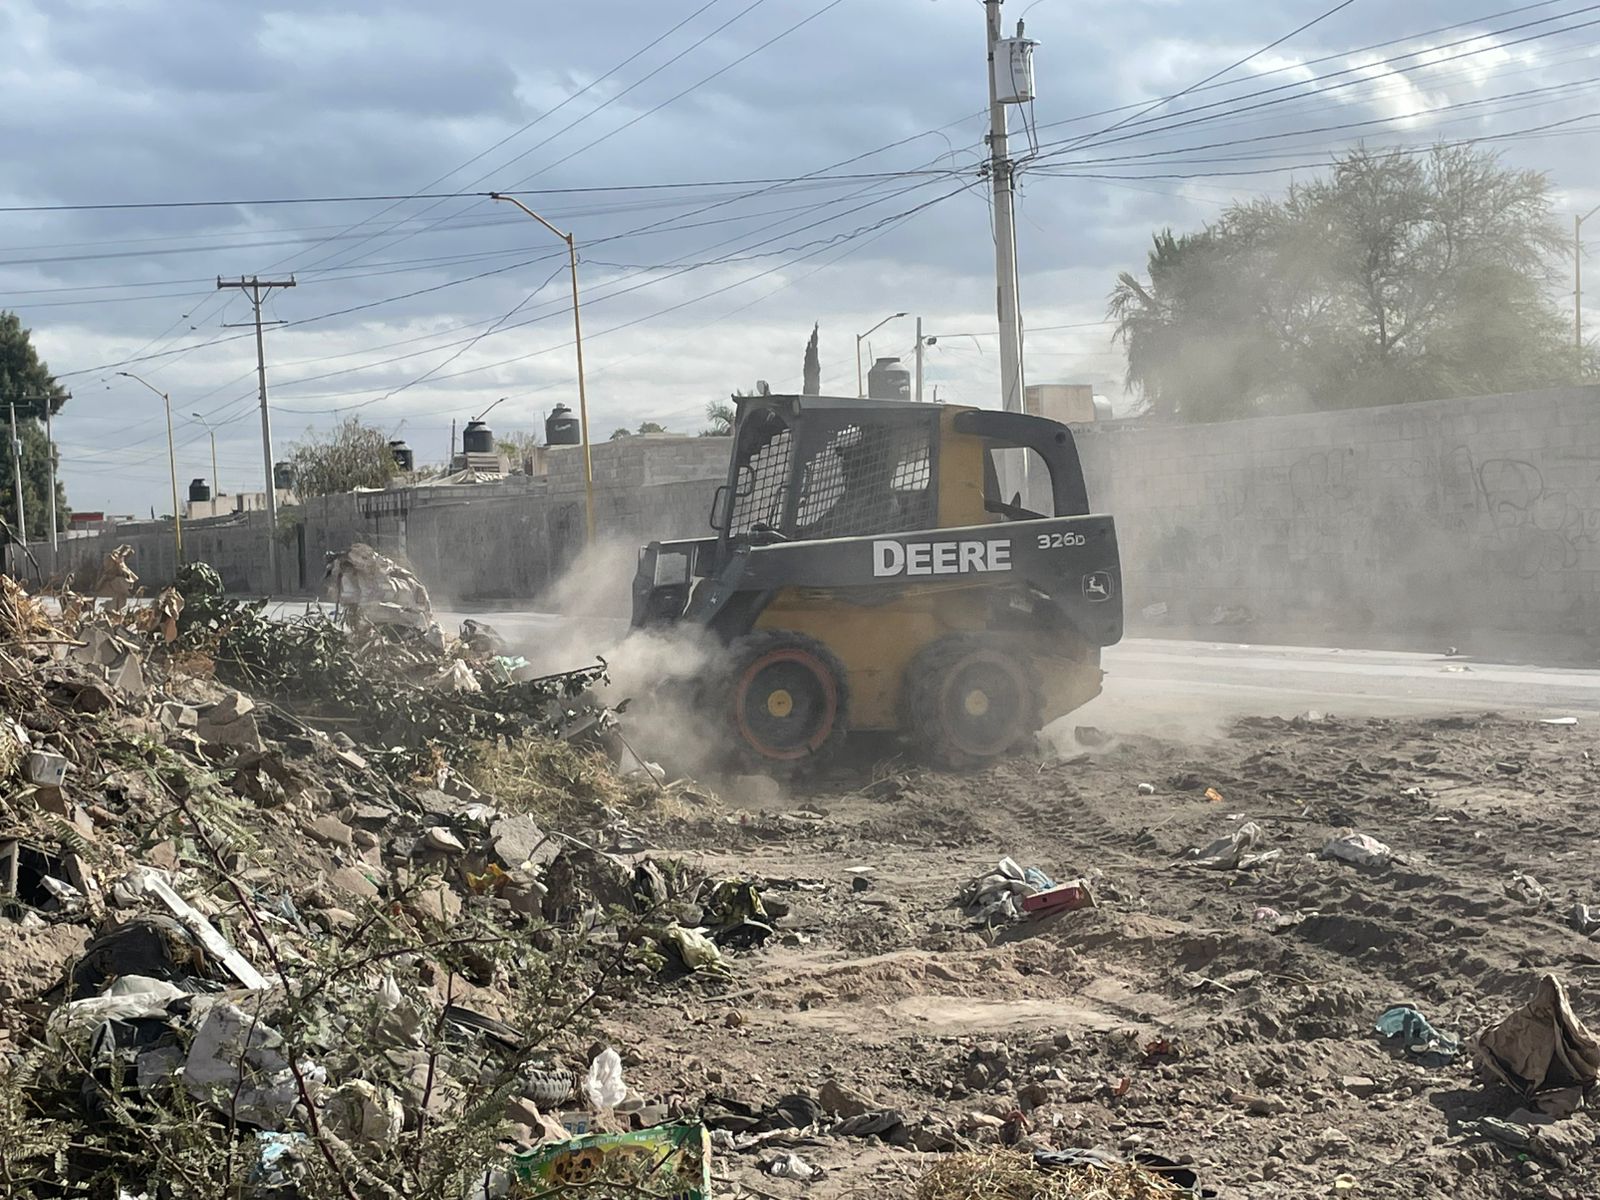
pixel 1172 686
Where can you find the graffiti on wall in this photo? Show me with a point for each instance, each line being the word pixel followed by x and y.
pixel 1537 528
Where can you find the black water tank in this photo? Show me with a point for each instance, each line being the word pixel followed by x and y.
pixel 889 380
pixel 403 458
pixel 477 438
pixel 561 428
pixel 282 476
pixel 199 491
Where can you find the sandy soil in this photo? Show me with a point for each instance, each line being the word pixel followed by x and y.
pixel 1277 1084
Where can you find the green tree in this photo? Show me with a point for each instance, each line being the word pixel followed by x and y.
pixel 1395 277
pixel 25 379
pixel 620 432
pixel 719 417
pixel 651 427
pixel 811 372
pixel 518 447
pixel 352 455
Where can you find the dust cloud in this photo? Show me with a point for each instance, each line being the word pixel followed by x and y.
pixel 654 670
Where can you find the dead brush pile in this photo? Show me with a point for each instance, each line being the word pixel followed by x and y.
pixel 1012 1175
pixel 261 937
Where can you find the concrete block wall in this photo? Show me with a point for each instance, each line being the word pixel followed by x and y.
pixel 1435 518
pixel 640 461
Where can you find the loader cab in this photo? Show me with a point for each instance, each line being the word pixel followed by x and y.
pixel 810 468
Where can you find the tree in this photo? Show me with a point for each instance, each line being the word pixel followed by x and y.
pixel 719 414
pixel 1396 277
pixel 517 447
pixel 352 456
pixel 811 384
pixel 651 427
pixel 25 379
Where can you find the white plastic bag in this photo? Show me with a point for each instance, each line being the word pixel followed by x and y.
pixel 604 1085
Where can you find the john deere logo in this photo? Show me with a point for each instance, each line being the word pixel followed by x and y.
pixel 940 558
pixel 1097 586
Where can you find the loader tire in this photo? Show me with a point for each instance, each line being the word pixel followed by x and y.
pixel 968 700
pixel 785 700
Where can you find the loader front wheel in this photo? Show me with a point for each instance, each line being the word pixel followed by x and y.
pixel 968 700
pixel 787 702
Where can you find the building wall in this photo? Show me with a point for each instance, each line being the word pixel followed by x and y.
pixel 1434 518
pixel 1426 519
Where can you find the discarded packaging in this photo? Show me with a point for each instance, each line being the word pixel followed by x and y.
pixel 604 1085
pixel 46 769
pixel 673 1160
pixel 1543 1051
pixel 1358 848
pixel 790 1166
pixel 1234 852
pixel 1063 898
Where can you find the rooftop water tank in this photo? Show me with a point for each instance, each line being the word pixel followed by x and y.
pixel 404 459
pixel 889 380
pixel 561 428
pixel 282 476
pixel 199 491
pixel 477 438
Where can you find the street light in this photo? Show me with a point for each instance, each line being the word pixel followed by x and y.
pixel 861 387
pixel 216 484
pixel 1577 282
pixel 491 408
pixel 172 463
pixel 577 341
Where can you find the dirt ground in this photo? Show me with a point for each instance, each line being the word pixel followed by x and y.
pixel 1276 1083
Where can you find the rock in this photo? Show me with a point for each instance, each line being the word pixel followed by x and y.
pixel 437 837
pixel 518 840
pixel 353 882
pixel 435 901
pixel 330 831
pixel 230 708
pixel 371 816
pixel 1359 1086
pixel 176 717
pixel 843 1101
pixel 243 734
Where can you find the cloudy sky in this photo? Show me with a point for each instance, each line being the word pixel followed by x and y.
pixel 733 170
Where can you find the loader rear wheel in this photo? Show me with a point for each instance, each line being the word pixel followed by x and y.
pixel 969 700
pixel 786 701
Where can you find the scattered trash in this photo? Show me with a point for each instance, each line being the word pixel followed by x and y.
pixel 1065 897
pixel 1543 1051
pixel 997 897
pixel 1584 918
pixel 673 1160
pixel 1235 852
pixel 696 951
pixel 1358 848
pixel 1417 1037
pixel 791 1166
pixel 46 769
pixel 1214 796
pixel 1559 721
pixel 1526 889
pixel 1146 789
pixel 604 1085
pixel 1266 914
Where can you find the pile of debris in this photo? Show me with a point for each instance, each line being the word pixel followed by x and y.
pixel 260 935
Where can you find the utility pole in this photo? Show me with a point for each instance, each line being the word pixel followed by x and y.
pixel 254 286
pixel 16 474
pixel 216 484
pixel 922 343
pixel 1577 283
pixel 1001 171
pixel 46 404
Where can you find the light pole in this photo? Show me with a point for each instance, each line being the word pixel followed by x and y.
pixel 172 464
pixel 861 387
pixel 1577 283
pixel 216 484
pixel 577 341
pixel 491 408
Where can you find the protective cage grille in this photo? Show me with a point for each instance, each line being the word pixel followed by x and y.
pixel 769 481
pixel 867 479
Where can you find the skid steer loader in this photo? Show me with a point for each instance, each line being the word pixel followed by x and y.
pixel 867 573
